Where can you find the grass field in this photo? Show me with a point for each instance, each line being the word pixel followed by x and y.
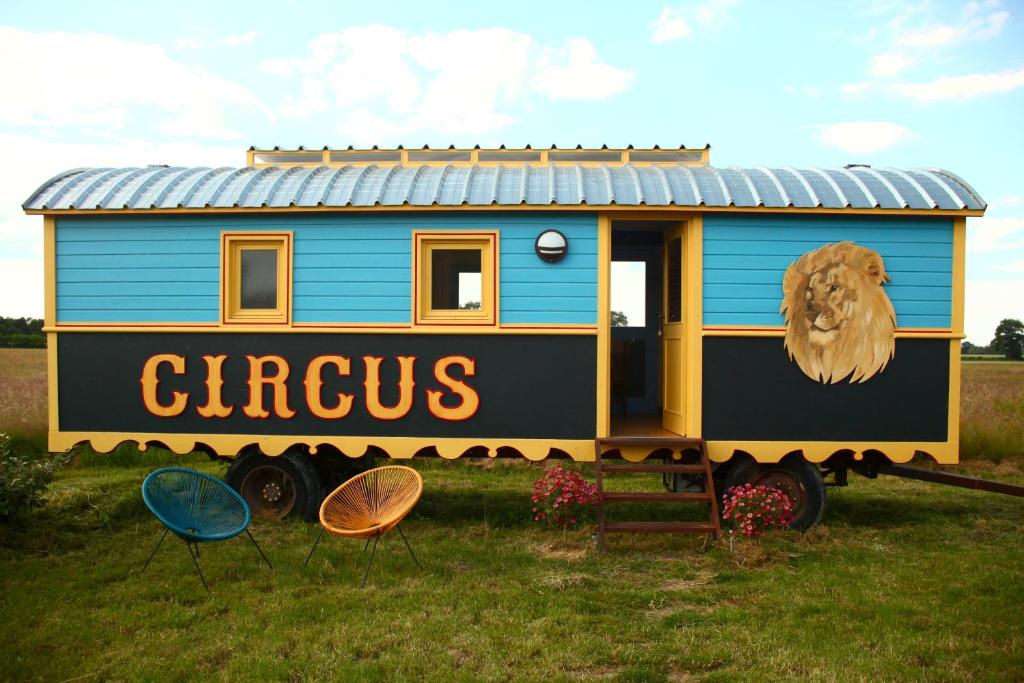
pixel 902 580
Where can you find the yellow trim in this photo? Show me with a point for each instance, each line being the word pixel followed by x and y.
pixel 586 208
pixel 604 264
pixel 232 245
pixel 694 315
pixel 397 447
pixel 959 274
pixel 953 424
pixel 331 328
pixel 471 157
pixel 780 331
pixel 675 356
pixel 942 452
pixel 52 403
pixel 424 244
pixel 50 270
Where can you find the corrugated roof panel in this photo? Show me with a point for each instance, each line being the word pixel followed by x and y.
pixel 966 193
pixel 857 187
pixel 880 188
pixel 796 187
pixel 825 190
pixel 906 189
pixel 711 193
pixel 938 188
pixel 69 193
pixel 739 191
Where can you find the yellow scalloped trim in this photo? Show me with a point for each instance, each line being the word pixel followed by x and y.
pixel 399 448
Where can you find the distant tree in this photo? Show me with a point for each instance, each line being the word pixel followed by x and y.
pixel 967 348
pixel 619 319
pixel 1009 339
pixel 470 306
pixel 22 333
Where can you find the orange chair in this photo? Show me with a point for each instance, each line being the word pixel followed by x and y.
pixel 369 505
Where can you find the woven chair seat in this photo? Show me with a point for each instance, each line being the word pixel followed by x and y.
pixel 371 503
pixel 194 506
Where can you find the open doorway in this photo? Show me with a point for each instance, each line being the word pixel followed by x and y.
pixel 644 260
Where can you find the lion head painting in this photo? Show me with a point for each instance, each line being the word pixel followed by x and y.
pixel 839 321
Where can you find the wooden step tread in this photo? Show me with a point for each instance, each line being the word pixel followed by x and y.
pixel 661 527
pixel 639 497
pixel 664 441
pixel 645 467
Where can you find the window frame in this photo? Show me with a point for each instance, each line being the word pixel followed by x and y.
pixel 424 243
pixel 232 244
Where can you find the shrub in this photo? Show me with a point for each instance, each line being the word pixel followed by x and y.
pixel 754 509
pixel 561 497
pixel 23 478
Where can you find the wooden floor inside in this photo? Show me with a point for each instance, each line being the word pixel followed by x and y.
pixel 638 425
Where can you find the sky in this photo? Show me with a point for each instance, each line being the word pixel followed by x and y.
pixel 786 82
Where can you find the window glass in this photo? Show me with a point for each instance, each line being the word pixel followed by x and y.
pixel 675 281
pixel 259 279
pixel 456 276
pixel 629 293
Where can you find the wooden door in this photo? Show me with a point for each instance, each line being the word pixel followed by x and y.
pixel 673 416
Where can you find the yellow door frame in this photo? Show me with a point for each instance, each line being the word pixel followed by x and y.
pixel 693 314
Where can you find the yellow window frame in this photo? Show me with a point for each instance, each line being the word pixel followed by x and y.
pixel 425 242
pixel 232 244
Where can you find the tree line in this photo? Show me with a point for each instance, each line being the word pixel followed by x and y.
pixel 1008 341
pixel 22 333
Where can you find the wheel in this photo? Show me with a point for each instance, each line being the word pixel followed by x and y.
pixel 794 476
pixel 276 487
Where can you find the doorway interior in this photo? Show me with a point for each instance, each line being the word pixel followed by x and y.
pixel 640 310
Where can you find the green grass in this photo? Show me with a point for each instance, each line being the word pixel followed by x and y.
pixel 903 580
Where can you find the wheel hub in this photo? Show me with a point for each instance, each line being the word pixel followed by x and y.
pixel 270 491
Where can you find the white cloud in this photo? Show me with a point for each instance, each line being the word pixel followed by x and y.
pixel 978 21
pixel 677 22
pixel 961 87
pixel 989 301
pixel 232 40
pixel 387 82
pixel 1012 267
pixel 890 63
pixel 107 81
pixel 21 288
pixel 582 77
pixel 855 89
pixel 669 26
pixel 995 234
pixel 1013 200
pixel 863 137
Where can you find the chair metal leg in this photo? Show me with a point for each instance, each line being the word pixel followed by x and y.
pixel 402 534
pixel 154 550
pixel 368 564
pixel 317 541
pixel 367 544
pixel 262 554
pixel 195 561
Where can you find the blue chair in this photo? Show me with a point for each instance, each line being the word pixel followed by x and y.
pixel 197 508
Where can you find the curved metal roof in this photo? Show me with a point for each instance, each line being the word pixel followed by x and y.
pixel 658 185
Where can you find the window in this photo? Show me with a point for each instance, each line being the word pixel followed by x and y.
pixel 256 277
pixel 454 278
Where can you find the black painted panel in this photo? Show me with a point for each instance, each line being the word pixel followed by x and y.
pixel 530 386
pixel 753 392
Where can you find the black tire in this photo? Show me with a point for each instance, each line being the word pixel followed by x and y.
pixel 276 487
pixel 799 479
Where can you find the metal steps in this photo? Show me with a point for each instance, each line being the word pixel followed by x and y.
pixel 677 445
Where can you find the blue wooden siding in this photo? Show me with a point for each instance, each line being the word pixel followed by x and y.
pixel 348 269
pixel 746 256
